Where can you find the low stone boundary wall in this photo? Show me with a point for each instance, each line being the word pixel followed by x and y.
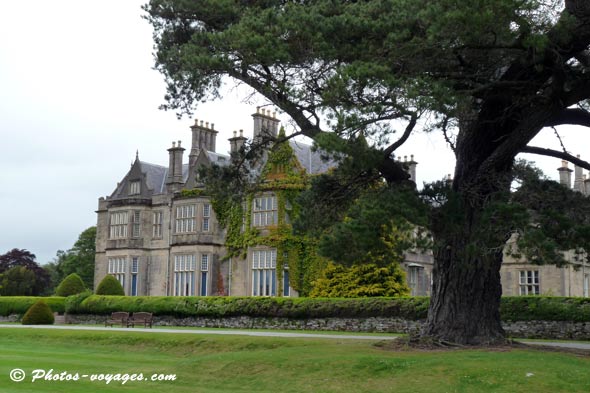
pixel 382 325
pixel 560 330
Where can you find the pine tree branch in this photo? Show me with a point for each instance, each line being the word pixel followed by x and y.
pixel 572 116
pixel 557 154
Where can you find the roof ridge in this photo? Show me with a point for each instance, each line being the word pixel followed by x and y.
pixel 149 163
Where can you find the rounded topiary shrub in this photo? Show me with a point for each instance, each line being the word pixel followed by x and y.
pixel 38 314
pixel 71 285
pixel 110 286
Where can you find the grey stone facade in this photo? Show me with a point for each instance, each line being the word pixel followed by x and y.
pixel 160 241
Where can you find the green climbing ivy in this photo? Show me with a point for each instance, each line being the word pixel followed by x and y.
pixel 285 178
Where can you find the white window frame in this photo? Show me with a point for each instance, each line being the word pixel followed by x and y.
pixel 265 211
pixel 117 268
pixel 184 274
pixel 528 282
pixel 136 223
pixel 205 225
pixel 119 220
pixel 264 272
pixel 185 219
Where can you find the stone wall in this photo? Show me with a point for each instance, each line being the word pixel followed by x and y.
pixel 562 330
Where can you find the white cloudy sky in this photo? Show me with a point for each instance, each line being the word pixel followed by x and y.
pixel 78 97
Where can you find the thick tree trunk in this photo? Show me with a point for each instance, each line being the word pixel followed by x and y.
pixel 466 291
pixel 466 287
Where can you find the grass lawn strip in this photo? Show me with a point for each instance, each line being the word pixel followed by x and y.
pixel 212 363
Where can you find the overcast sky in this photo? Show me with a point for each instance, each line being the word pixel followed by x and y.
pixel 78 97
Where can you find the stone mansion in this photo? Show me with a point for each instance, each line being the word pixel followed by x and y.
pixel 159 239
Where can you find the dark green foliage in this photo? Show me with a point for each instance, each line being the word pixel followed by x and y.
pixel 364 280
pixel 20 304
pixel 382 221
pixel 38 314
pixel 557 219
pixel 72 303
pixel 110 286
pixel 20 275
pixel 79 259
pixel 17 281
pixel 540 308
pixel 70 285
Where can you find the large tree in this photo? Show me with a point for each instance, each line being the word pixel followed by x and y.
pixel 79 259
pixel 495 73
pixel 21 275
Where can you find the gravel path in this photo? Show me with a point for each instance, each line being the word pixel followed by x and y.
pixel 212 331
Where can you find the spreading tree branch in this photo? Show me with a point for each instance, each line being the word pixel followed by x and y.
pixel 573 116
pixel 557 154
pixel 409 128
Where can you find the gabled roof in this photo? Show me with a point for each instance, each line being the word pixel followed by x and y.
pixel 154 176
pixel 311 159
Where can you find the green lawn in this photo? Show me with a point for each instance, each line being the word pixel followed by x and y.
pixel 207 363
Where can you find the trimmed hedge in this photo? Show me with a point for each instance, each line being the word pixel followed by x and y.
pixel 541 308
pixel 110 286
pixel 409 308
pixel 518 308
pixel 39 314
pixel 70 285
pixel 20 304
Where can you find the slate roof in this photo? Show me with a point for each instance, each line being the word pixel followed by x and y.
pixel 155 175
pixel 311 160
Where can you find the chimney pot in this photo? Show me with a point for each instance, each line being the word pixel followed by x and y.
pixel 178 143
pixel 196 122
pixel 207 124
pixel 241 132
pixel 173 144
pixel 201 123
pixel 212 126
pixel 235 133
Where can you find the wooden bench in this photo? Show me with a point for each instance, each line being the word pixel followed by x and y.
pixel 117 318
pixel 139 318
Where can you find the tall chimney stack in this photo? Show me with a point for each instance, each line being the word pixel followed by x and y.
pixel 266 125
pixel 565 175
pixel 174 178
pixel 236 143
pixel 204 138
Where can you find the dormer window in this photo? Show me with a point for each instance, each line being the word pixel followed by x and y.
pixel 134 187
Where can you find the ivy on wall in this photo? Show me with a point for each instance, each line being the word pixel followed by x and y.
pixel 284 177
